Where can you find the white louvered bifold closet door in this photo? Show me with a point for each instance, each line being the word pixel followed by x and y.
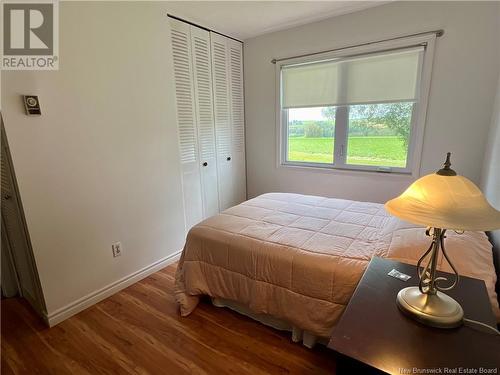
pixel 202 67
pixel 186 121
pixel 223 133
pixel 237 120
pixel 208 72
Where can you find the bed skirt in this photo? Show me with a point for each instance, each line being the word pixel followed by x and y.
pixel 308 339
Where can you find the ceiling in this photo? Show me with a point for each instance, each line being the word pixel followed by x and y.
pixel 247 19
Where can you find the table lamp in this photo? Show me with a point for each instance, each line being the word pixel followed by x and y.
pixel 440 201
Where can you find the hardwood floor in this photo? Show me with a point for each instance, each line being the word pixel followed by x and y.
pixel 139 331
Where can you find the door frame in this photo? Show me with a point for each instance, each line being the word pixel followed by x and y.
pixel 39 304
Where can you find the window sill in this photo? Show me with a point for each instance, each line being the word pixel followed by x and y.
pixel 327 168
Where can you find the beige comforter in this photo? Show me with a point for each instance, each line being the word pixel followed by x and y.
pixel 299 258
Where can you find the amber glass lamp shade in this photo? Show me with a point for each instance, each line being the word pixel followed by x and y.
pixel 451 202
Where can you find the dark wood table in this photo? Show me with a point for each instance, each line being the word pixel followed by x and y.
pixel 374 336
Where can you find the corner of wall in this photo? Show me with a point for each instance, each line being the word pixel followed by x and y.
pixel 490 177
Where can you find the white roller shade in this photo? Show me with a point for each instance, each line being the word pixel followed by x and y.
pixel 376 78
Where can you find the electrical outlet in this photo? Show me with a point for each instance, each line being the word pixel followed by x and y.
pixel 117 249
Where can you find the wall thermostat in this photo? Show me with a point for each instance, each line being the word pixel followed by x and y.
pixel 32 105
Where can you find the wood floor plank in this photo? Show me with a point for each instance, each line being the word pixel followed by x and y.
pixel 139 331
pixel 145 348
pixel 219 342
pixel 5 367
pixel 242 332
pixel 193 345
pixel 34 356
pixel 246 327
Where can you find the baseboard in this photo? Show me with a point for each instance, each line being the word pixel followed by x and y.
pixel 90 299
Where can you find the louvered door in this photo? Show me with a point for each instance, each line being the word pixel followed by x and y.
pixel 220 74
pixel 238 169
pixel 227 71
pixel 186 122
pixel 202 67
pixel 15 237
pixel 209 92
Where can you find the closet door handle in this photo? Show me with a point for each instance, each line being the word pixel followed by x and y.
pixel 205 164
pixel 228 158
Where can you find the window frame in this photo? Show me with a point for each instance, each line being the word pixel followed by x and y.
pixel 419 111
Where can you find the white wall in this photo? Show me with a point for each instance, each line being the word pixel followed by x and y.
pixel 465 72
pixel 101 164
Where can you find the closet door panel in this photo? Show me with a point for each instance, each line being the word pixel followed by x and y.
pixel 235 58
pixel 202 68
pixel 186 120
pixel 223 134
pixel 14 231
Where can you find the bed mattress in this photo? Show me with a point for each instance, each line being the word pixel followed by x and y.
pixel 299 257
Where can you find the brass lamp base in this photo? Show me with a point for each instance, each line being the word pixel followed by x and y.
pixel 435 310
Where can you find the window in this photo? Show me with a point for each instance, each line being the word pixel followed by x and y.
pixel 311 134
pixel 361 108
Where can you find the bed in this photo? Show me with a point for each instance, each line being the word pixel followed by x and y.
pixel 293 261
